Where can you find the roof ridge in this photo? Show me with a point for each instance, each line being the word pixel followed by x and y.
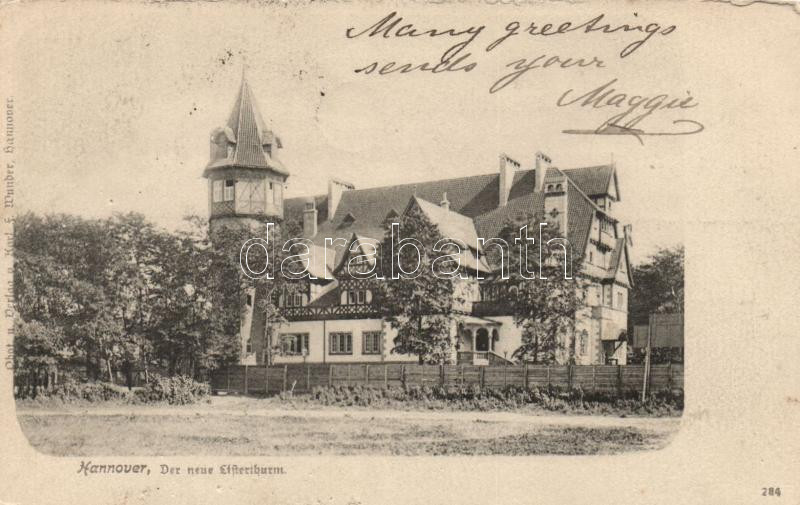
pixel 239 119
pixel 434 181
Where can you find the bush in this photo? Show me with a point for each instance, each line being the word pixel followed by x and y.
pixel 179 390
pixel 550 399
pixel 72 391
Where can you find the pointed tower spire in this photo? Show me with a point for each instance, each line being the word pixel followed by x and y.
pixel 248 142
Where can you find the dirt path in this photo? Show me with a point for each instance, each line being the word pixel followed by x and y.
pixel 237 406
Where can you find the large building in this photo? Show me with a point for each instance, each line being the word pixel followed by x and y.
pixel 335 320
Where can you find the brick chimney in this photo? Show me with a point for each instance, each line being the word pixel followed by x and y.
pixel 335 190
pixel 310 218
pixel 507 169
pixel 542 164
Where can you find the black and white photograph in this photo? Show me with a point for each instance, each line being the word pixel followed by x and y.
pixel 370 252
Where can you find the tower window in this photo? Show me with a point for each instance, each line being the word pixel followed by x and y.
pixel 229 190
pixel 216 191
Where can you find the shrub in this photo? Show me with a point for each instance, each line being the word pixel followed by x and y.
pixel 179 390
pixel 71 391
pixel 551 399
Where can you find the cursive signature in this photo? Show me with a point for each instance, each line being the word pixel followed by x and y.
pixel 633 109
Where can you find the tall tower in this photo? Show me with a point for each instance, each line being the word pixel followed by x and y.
pixel 245 190
pixel 245 178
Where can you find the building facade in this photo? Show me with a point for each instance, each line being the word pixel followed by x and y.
pixel 335 319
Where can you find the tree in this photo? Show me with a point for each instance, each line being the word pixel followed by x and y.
pixel 422 308
pixel 37 351
pixel 228 286
pixel 545 303
pixel 657 286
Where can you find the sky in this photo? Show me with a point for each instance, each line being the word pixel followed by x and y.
pixel 120 120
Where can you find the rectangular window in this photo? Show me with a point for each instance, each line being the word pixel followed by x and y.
pixel 294 343
pixel 294 299
pixel 229 191
pixel 249 300
pixel 341 343
pixel 361 297
pixel 372 342
pixel 216 190
pixel 351 297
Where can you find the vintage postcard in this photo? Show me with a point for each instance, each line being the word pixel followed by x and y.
pixel 400 252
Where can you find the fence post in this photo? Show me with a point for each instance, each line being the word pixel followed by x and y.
pixel 245 379
pixel 594 378
pixel 228 383
pixel 483 380
pixel 285 373
pixel 386 376
pixel 403 375
pixel 526 375
pixel 505 375
pixel 619 381
pixel 308 377
pixel 462 376
pixel 266 379
pixel 366 375
pixel 348 375
pixel 669 376
pixel 330 375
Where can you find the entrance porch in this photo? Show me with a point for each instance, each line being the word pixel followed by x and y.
pixel 476 341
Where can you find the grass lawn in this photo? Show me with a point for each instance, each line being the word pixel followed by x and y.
pixel 141 431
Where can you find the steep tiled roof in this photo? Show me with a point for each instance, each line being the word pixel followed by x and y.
pixel 475 197
pixel 579 218
pixel 471 196
pixel 293 208
pixel 593 181
pixel 451 224
pixel 250 134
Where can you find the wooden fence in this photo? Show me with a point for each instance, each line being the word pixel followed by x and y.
pixel 299 378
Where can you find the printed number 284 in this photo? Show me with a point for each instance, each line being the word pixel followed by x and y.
pixel 770 491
